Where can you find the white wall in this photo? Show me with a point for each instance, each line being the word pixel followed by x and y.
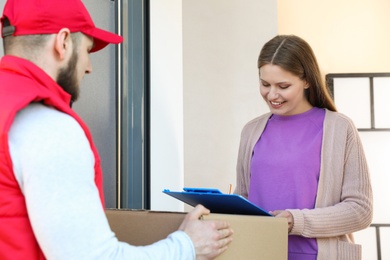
pixel 166 102
pixel 221 43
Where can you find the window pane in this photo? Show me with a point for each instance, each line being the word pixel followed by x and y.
pixel 352 98
pixel 385 242
pixel 381 102
pixel 367 238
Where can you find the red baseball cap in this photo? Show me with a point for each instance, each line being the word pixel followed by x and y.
pixel 24 17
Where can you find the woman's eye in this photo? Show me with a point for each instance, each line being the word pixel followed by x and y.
pixel 265 84
pixel 284 86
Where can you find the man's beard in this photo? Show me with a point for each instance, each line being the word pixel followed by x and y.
pixel 67 78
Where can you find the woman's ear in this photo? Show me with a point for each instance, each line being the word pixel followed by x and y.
pixel 63 43
pixel 306 85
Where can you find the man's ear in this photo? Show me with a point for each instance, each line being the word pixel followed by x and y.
pixel 63 43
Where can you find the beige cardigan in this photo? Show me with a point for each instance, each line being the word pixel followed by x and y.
pixel 344 196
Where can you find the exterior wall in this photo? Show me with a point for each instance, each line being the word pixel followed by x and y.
pixel 166 102
pixel 347 36
pixel 221 43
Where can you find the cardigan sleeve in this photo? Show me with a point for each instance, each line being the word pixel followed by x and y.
pixel 344 196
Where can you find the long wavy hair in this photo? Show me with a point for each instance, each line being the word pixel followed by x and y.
pixel 295 55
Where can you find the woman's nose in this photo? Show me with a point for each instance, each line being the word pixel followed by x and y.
pixel 273 93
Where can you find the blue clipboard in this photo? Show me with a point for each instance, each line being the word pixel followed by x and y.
pixel 217 202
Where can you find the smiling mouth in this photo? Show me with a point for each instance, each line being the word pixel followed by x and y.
pixel 274 103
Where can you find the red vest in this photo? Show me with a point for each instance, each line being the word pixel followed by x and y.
pixel 22 82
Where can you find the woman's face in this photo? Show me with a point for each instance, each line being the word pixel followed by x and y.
pixel 283 91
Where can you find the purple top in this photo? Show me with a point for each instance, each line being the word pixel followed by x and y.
pixel 285 169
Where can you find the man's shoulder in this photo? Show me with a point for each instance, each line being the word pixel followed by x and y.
pixel 37 113
pixel 39 119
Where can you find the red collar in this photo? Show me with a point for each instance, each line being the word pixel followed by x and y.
pixel 28 69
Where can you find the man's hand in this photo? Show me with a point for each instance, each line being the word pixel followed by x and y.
pixel 284 214
pixel 210 237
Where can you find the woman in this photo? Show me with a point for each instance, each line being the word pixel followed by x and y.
pixel 304 161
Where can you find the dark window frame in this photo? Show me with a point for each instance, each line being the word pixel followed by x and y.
pixel 330 83
pixel 133 107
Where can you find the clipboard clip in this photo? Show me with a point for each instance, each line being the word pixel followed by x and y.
pixel 203 190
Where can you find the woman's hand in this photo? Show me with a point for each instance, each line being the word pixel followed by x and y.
pixel 284 214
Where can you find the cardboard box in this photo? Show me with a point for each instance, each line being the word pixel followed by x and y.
pixel 142 227
pixel 255 237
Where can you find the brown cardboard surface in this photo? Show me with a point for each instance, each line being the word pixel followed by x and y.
pixel 255 237
pixel 143 227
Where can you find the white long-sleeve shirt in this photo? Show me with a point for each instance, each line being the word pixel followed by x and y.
pixel 54 166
